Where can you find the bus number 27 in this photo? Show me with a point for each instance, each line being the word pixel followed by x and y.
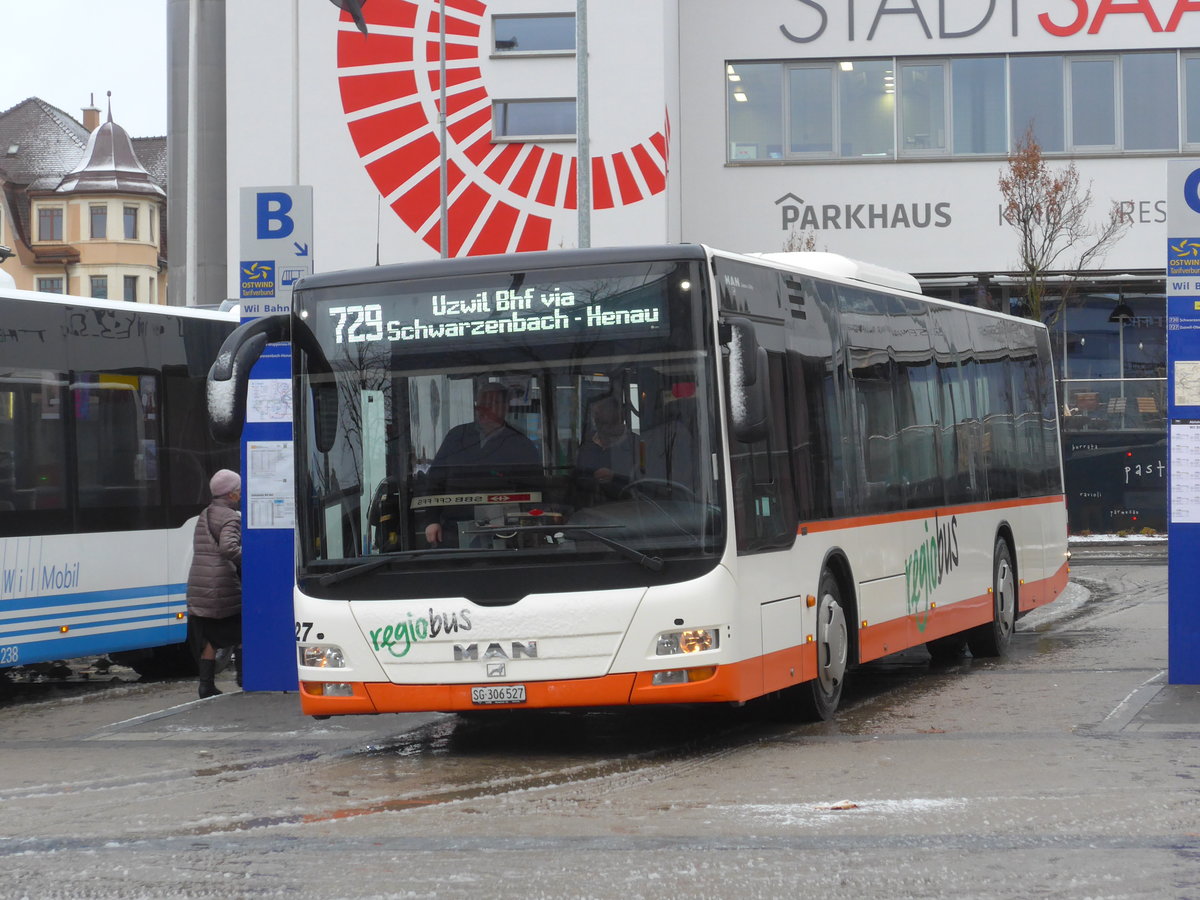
pixel 302 630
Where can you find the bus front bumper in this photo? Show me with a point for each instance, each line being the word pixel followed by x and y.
pixel 708 684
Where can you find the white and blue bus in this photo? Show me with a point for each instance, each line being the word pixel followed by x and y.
pixel 821 467
pixel 105 455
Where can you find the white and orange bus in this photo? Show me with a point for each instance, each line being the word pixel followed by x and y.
pixel 803 465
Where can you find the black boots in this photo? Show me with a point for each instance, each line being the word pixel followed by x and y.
pixel 208 687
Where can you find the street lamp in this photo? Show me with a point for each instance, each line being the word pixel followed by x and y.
pixel 583 167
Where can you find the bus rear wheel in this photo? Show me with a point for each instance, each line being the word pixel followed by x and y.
pixel 993 639
pixel 818 700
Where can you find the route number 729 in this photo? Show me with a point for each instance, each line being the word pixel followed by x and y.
pixel 356 324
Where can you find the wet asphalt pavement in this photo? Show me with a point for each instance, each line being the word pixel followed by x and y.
pixel 1068 769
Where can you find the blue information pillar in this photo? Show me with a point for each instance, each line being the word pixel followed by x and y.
pixel 1183 411
pixel 276 250
pixel 268 527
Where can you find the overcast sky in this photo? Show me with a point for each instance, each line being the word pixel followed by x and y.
pixel 65 51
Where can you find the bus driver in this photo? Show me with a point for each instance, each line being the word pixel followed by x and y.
pixel 487 454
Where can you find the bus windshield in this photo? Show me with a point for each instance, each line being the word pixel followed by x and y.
pixel 557 415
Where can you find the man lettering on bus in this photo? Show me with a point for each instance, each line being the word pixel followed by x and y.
pixel 486 455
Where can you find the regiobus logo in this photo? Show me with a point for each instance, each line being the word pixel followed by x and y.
pixel 501 197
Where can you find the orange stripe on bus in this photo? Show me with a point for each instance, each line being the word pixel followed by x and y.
pixel 894 635
pixel 910 515
pixel 1039 593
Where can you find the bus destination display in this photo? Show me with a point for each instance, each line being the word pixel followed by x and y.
pixel 497 315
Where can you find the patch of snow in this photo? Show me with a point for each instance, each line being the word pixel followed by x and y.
pixel 1116 538
pixel 810 813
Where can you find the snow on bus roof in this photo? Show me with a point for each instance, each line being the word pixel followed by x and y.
pixel 845 267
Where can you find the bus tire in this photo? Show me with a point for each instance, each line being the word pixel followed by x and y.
pixel 818 700
pixel 993 639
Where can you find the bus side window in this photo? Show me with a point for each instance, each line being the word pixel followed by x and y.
pixel 877 428
pixel 764 493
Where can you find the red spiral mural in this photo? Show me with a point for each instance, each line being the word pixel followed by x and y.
pixel 501 196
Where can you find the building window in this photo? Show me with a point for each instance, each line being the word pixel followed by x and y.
pixel 1093 103
pixel 527 119
pixel 968 106
pixel 1036 92
pixel 98 217
pixel 131 288
pixel 1150 101
pixel 923 108
pixel 866 106
pixel 533 34
pixel 100 286
pixel 810 119
pixel 50 223
pixel 1191 99
pixel 979 105
pixel 754 99
pixel 151 216
pixel 50 285
pixel 131 223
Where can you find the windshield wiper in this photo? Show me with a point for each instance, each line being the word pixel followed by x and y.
pixel 653 563
pixel 380 561
pixel 354 571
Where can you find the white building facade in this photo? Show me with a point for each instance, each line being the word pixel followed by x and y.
pixel 873 128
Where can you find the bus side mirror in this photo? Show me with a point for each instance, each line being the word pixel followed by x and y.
pixel 323 386
pixel 229 377
pixel 748 383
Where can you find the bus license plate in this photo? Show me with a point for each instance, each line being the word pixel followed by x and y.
pixel 498 693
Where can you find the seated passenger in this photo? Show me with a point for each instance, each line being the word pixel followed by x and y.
pixel 608 458
pixel 671 443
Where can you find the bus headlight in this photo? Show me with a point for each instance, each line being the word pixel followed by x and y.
pixel 322 656
pixel 692 640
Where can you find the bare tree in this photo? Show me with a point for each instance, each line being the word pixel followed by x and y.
pixel 1050 212
pixel 800 242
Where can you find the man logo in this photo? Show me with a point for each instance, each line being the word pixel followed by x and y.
pixel 516 650
pixel 496 670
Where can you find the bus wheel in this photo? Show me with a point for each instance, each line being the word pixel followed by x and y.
pixel 993 639
pixel 818 699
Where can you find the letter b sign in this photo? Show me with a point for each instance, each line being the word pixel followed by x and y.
pixel 272 210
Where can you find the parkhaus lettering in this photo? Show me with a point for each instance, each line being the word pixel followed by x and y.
pixel 795 213
pixel 1060 18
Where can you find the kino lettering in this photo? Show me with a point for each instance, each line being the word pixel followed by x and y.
pixel 926 566
pixel 398 639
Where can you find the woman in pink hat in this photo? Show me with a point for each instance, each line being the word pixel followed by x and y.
pixel 214 587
